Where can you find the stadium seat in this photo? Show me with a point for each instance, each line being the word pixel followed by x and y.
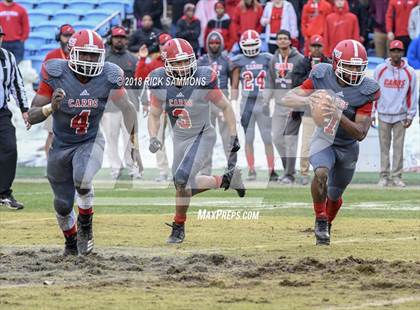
pixel 86 6
pixel 45 49
pixel 95 17
pixel 27 4
pixel 31 49
pixel 80 25
pixel 50 5
pixel 113 5
pixel 66 17
pixel 37 61
pixel 50 27
pixel 36 17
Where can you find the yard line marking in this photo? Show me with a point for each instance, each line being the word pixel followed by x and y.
pixel 377 303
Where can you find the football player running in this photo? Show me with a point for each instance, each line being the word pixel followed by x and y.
pixel 252 69
pixel 75 93
pixel 184 91
pixel 334 152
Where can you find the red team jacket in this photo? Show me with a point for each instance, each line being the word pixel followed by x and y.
pixel 15 22
pixel 397 16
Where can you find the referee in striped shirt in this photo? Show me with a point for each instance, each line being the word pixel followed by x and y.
pixel 10 83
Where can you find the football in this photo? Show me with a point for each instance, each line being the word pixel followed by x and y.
pixel 319 99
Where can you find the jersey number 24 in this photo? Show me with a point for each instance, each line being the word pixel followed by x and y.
pixel 248 80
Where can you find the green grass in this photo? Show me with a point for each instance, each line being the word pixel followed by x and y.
pixel 269 263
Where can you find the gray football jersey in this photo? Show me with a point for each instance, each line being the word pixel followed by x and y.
pixel 323 77
pixel 188 107
pixel 222 65
pixel 77 119
pixel 254 73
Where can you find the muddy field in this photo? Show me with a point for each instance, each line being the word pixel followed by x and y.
pixel 46 266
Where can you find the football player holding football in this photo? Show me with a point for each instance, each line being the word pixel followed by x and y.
pixel 346 114
pixel 184 91
pixel 252 68
pixel 75 93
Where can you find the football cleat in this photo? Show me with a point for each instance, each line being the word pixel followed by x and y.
pixel 321 232
pixel 398 182
pixel 70 247
pixel 329 229
pixel 10 202
pixel 273 176
pixel 177 234
pixel 237 184
pixel 252 175
pixel 383 182
pixel 84 234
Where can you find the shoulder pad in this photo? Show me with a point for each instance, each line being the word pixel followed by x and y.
pixel 320 70
pixel 55 67
pixel 369 86
pixel 202 60
pixel 114 74
pixel 237 58
pixel 207 74
pixel 267 55
pixel 158 73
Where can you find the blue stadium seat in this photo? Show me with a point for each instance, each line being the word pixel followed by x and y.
pixel 374 61
pixel 37 61
pixel 27 4
pixel 80 25
pixel 51 5
pixel 45 49
pixel 31 49
pixel 112 5
pixel 81 5
pixel 95 16
pixel 36 17
pixel 65 17
pixel 36 40
pixel 50 26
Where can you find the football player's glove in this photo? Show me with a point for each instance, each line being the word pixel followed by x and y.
pixel 155 145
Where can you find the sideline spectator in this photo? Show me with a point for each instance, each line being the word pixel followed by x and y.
pixel 8 154
pixel 285 127
pixel 188 27
pixel 377 9
pixel 340 25
pixel 204 11
pixel 223 24
pixel 231 7
pixel 396 109
pixel 247 16
pixel 279 14
pixel 300 73
pixel 112 120
pixel 360 8
pixel 146 35
pixel 64 33
pixel 142 71
pixel 154 8
pixel 413 53
pixel 397 16
pixel 314 16
pixel 414 22
pixel 178 12
pixel 15 22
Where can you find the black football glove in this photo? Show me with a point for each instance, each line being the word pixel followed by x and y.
pixel 155 145
pixel 234 145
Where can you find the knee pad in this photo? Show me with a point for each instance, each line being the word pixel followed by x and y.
pixel 62 207
pixel 84 197
pixel 181 179
pixel 321 174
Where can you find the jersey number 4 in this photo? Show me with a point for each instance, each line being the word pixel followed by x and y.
pixel 81 122
pixel 248 80
pixel 183 118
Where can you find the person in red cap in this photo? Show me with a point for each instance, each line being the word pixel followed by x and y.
pixel 112 120
pixel 396 107
pixel 15 22
pixel 146 64
pixel 397 16
pixel 223 24
pixel 63 35
pixel 300 73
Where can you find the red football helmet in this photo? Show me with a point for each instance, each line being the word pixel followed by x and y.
pixel 179 57
pixel 350 53
pixel 86 42
pixel 250 43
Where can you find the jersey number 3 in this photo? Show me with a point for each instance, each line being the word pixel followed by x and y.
pixel 81 122
pixel 184 120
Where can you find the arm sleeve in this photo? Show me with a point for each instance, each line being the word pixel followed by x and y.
pixel 389 18
pixel 141 68
pixel 25 25
pixel 45 90
pixel 17 86
pixel 367 108
pixel 412 110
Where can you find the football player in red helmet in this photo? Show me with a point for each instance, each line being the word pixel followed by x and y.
pixel 252 69
pixel 75 92
pixel 185 96
pixel 335 147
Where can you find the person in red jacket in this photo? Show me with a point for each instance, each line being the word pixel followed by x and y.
pixel 314 15
pixel 231 6
pixel 64 33
pixel 340 25
pixel 223 24
pixel 15 23
pixel 396 20
pixel 247 16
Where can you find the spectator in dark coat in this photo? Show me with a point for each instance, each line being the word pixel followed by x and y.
pixel 377 9
pixel 188 27
pixel 223 24
pixel 178 11
pixel 146 35
pixel 360 8
pixel 154 8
